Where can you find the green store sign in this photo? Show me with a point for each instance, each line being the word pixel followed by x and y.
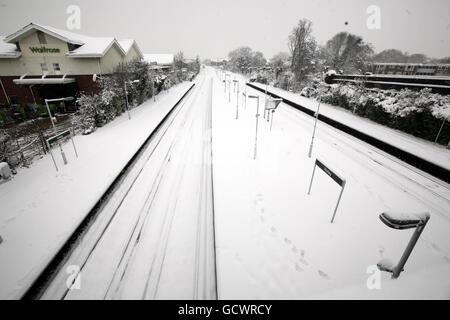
pixel 44 50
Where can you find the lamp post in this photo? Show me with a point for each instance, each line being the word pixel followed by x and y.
pixel 236 82
pixel 63 155
pixel 225 82
pixel 314 130
pixel 257 116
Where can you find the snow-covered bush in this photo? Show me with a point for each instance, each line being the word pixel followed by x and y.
pixel 110 102
pixel 419 113
pixel 89 113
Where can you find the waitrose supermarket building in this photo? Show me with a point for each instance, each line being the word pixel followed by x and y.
pixel 39 62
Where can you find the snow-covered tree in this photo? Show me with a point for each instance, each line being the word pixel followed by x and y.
pixel 348 52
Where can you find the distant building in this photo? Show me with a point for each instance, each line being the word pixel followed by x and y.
pixel 38 62
pixel 218 62
pixel 160 61
pixel 411 69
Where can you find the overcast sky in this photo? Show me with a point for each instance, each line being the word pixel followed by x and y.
pixel 211 28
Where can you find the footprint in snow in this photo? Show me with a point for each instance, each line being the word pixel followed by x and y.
pixel 298 268
pixel 273 229
pixel 294 249
pixel 323 274
pixel 303 261
pixel 286 240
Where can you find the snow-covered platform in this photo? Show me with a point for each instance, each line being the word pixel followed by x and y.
pixel 276 242
pixel 433 153
pixel 41 207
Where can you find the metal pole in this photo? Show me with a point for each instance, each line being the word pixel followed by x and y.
pixel 237 103
pixel 34 99
pixel 256 135
pixel 51 153
pixel 75 149
pixel 245 105
pixel 439 133
pixel 126 99
pixel 4 92
pixel 271 122
pixel 50 115
pixel 399 268
pixel 229 90
pixel 312 177
pixel 339 200
pixel 56 133
pixel 314 131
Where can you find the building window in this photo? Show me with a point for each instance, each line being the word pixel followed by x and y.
pixel 56 67
pixel 41 37
pixel 44 67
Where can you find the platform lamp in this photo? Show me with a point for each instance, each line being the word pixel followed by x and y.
pixel 257 116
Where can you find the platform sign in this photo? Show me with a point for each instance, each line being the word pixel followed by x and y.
pixel 330 173
pixel 336 178
pixel 58 137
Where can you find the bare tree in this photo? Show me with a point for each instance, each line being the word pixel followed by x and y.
pixel 302 46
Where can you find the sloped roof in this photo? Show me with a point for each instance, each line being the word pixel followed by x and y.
pixel 127 44
pixel 89 46
pixel 161 59
pixel 8 50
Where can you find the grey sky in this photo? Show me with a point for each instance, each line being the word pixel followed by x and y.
pixel 211 28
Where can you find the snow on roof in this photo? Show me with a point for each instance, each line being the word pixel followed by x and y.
pixel 163 59
pixel 8 50
pixel 126 44
pixel 89 46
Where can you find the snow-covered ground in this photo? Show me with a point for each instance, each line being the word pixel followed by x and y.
pixel 40 207
pixel 429 151
pixel 274 241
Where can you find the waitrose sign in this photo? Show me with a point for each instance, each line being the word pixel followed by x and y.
pixel 44 50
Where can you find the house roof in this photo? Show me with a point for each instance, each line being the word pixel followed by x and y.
pixel 127 44
pixel 160 59
pixel 90 47
pixel 8 50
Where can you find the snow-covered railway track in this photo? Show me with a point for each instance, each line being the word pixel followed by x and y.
pixel 129 217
